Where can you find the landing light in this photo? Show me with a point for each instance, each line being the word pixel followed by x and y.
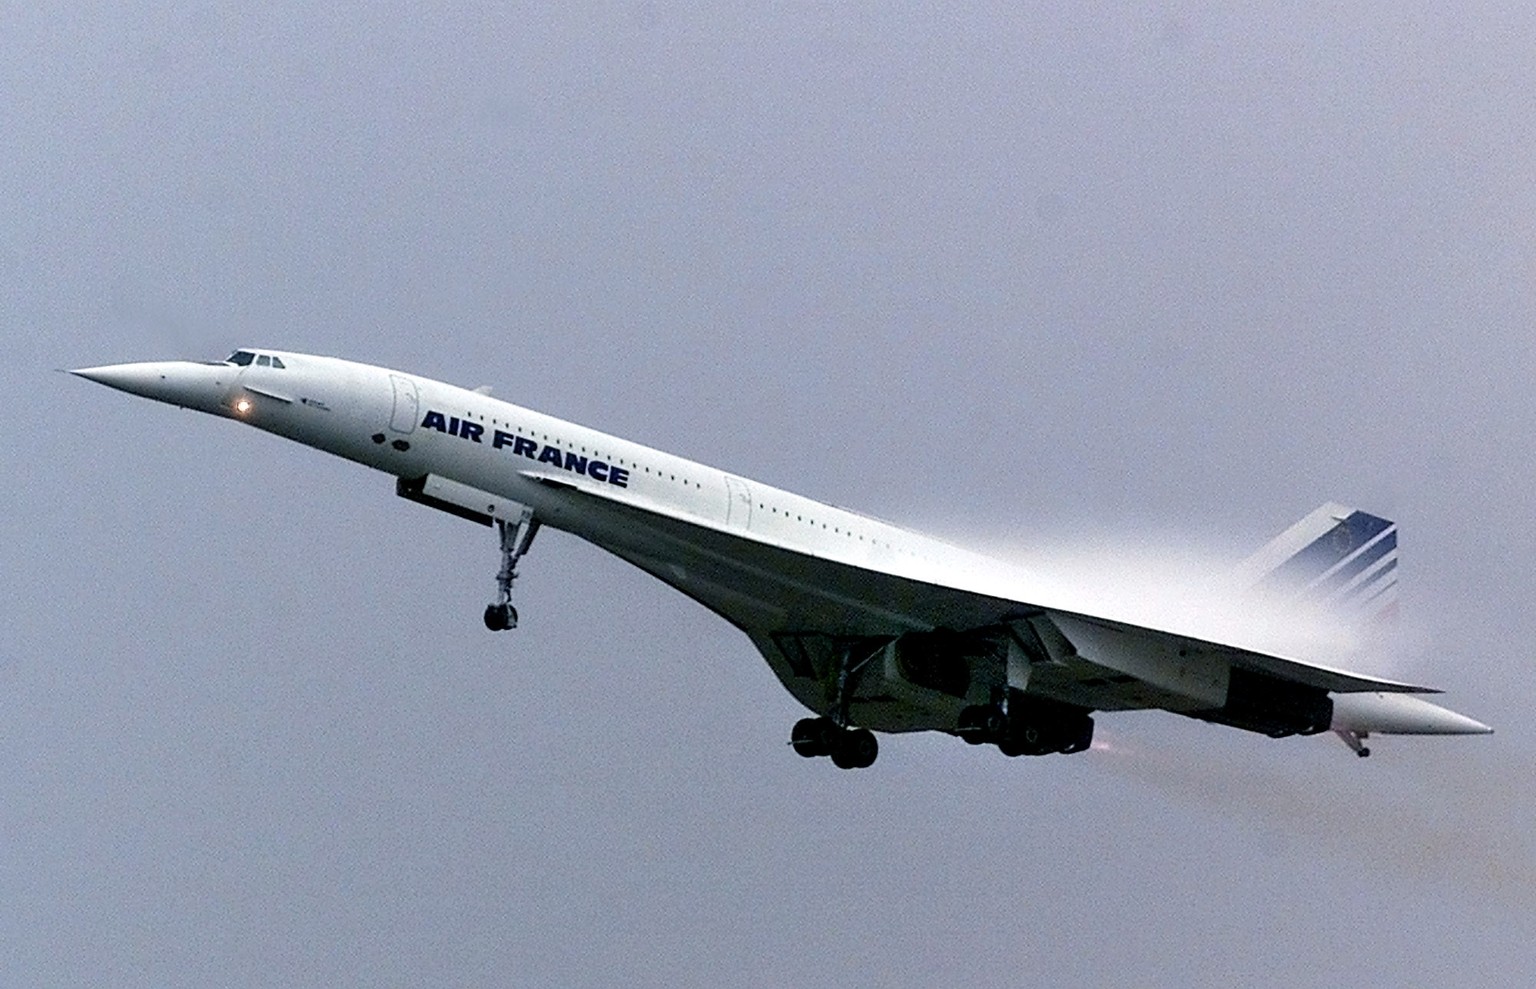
pixel 243 406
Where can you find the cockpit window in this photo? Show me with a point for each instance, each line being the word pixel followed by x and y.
pixel 241 357
pixel 263 361
pixel 278 362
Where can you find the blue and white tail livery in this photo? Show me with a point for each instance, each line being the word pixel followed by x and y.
pixel 1337 557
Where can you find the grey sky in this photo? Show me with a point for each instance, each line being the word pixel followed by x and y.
pixel 1088 271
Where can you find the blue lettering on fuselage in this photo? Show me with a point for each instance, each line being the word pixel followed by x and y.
pixel 522 446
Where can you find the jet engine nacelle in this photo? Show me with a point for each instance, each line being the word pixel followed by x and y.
pixel 1274 707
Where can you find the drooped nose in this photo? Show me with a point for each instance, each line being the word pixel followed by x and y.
pixel 185 383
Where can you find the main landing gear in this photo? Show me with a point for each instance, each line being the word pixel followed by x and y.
pixel 1027 729
pixel 516 537
pixel 849 747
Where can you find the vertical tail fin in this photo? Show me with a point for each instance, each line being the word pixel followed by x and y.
pixel 1338 557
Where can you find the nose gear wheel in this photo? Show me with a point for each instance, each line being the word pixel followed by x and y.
pixel 500 617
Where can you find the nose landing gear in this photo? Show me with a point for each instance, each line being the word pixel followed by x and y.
pixel 516 537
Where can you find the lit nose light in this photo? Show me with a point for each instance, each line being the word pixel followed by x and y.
pixel 243 406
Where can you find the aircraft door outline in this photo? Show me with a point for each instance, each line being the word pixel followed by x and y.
pixel 738 505
pixel 407 405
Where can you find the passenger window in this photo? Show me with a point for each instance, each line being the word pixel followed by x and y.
pixel 263 361
pixel 278 362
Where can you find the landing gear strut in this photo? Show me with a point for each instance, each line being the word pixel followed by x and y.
pixel 516 537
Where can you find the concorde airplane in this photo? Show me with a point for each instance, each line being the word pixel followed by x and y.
pixel 871 626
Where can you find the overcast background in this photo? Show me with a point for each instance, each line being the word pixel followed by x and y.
pixel 1022 275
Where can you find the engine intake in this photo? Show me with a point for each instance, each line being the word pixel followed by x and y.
pixel 938 660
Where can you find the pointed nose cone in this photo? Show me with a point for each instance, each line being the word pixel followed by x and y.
pixel 135 379
pixel 1470 726
pixel 184 383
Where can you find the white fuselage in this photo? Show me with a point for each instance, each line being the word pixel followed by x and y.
pixel 493 445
